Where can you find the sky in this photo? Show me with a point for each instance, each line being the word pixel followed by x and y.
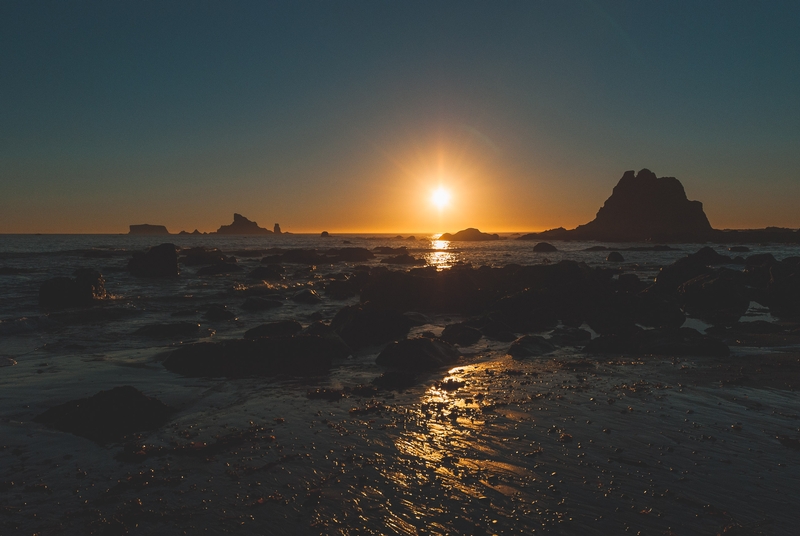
pixel 346 116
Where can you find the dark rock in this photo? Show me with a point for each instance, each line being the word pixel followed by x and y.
pixel 147 229
pixel 256 303
pixel 342 289
pixel 709 257
pixel 307 296
pixel 403 259
pixel 299 355
pixel 159 261
pixel 783 290
pixel 86 288
pixel 272 272
pixel 200 256
pixel 276 229
pixel 108 415
pixel 282 328
pixel 219 269
pixel 325 234
pixel 242 226
pixel 718 298
pixel 218 313
pixel 367 325
pixel 396 380
pixel 417 319
pixel 568 336
pixel 530 346
pixel 615 256
pixel 175 329
pixel 497 331
pixel 641 207
pixel 461 334
pixel 469 235
pixel 418 355
pixel 675 342
pixel 544 247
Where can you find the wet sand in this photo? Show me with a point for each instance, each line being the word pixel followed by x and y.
pixel 554 445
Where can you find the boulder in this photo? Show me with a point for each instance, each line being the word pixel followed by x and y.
pixel 673 342
pixel 569 336
pixel 544 247
pixel 109 415
pixel 242 226
pixel 615 256
pixel 86 288
pixel 282 328
pixel 418 354
pixel 325 234
pixel 461 334
pixel 719 297
pixel 158 261
pixel 272 272
pixel 469 235
pixel 530 346
pixel 299 355
pixel 350 254
pixel 366 325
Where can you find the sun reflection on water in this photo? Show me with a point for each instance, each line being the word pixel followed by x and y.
pixel 440 257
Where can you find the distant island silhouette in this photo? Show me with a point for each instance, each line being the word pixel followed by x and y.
pixel 469 235
pixel 240 226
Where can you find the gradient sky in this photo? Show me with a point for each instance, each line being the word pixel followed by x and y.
pixel 344 116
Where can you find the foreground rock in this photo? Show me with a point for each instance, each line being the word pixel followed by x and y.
pixel 366 325
pixel 530 346
pixel 109 415
pixel 544 247
pixel 461 334
pixel 418 354
pixel 242 226
pixel 158 261
pixel 642 207
pixel 147 229
pixel 469 235
pixel 667 342
pixel 299 355
pixel 86 288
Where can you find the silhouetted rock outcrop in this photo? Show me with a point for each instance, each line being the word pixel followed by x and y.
pixel 108 415
pixel 544 247
pixel 242 226
pixel 469 235
pixel 641 207
pixel 61 292
pixel 276 228
pixel 147 229
pixel 158 261
pixel 418 354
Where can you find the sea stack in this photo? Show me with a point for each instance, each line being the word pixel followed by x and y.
pixel 242 226
pixel 642 207
pixel 469 235
pixel 277 228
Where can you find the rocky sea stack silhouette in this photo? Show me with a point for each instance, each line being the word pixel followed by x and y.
pixel 469 235
pixel 243 226
pixel 642 207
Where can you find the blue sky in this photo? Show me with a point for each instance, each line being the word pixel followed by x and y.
pixel 342 115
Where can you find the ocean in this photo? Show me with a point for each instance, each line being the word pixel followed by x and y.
pixel 515 447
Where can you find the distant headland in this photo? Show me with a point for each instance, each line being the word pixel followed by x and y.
pixel 240 226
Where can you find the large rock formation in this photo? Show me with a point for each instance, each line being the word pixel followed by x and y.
pixel 469 235
pixel 642 207
pixel 147 229
pixel 242 226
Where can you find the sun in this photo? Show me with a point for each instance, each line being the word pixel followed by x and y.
pixel 440 198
